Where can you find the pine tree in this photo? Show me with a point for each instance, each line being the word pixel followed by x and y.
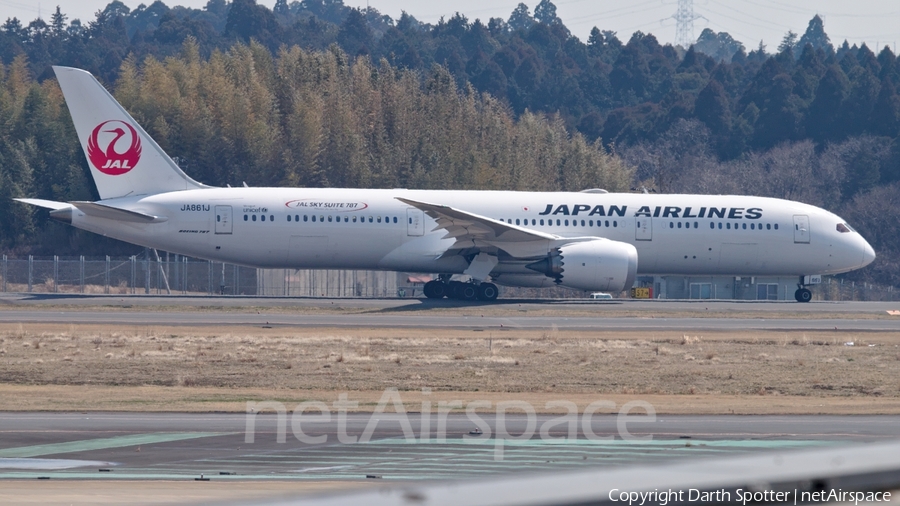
pixel 545 12
pixel 58 23
pixel 886 114
pixel 520 19
pixel 712 108
pixel 788 42
pixel 815 36
pixel 821 120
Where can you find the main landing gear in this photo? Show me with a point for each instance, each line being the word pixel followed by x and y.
pixel 437 289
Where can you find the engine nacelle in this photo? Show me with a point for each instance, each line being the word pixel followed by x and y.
pixel 600 265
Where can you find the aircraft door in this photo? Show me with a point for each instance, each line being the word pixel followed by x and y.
pixel 415 221
pixel 223 219
pixel 801 228
pixel 643 228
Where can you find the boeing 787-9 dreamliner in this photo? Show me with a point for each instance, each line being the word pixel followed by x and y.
pixel 471 240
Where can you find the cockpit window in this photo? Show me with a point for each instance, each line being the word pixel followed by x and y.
pixel 844 228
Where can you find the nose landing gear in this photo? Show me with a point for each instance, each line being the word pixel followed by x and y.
pixel 803 295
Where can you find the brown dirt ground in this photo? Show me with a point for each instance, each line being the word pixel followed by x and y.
pixel 164 368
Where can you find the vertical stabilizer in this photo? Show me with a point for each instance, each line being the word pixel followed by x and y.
pixel 124 160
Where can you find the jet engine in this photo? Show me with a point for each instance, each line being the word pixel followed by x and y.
pixel 601 265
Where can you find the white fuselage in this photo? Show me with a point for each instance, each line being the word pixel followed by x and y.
pixel 371 229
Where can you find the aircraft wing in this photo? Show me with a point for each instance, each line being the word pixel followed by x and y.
pixel 475 231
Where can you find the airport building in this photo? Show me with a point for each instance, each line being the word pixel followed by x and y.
pixel 719 287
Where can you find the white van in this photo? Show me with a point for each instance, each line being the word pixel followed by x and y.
pixel 600 296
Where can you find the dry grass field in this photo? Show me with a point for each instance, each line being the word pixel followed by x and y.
pixel 83 367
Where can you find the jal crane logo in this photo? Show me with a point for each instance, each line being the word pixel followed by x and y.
pixel 103 144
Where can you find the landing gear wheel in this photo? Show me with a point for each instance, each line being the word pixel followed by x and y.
pixel 803 295
pixel 435 289
pixel 487 292
pixel 463 291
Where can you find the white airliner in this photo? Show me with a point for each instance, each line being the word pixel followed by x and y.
pixel 591 240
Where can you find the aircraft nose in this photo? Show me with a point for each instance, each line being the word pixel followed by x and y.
pixel 868 254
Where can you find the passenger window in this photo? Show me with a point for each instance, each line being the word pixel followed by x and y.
pixel 720 226
pixel 712 225
pixel 289 217
pixel 671 225
pixel 395 219
pixel 696 225
pixel 263 217
pixel 582 223
pixel 728 226
pixel 245 217
pixel 615 223
pixel 254 217
pixel 607 223
pixel 768 226
pixel 517 221
pixel 776 226
pixel 744 226
pixel 305 218
pixel 371 219
pixel 542 222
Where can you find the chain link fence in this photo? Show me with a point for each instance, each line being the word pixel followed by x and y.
pixel 177 274
pixel 335 283
pixel 145 274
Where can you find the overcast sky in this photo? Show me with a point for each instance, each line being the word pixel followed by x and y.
pixel 876 22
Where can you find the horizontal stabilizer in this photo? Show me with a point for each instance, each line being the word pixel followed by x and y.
pixel 114 213
pixel 48 204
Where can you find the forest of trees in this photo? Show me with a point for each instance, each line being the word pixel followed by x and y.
pixel 315 93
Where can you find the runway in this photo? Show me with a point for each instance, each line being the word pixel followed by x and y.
pixel 448 322
pixel 416 304
pixel 418 313
pixel 184 446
